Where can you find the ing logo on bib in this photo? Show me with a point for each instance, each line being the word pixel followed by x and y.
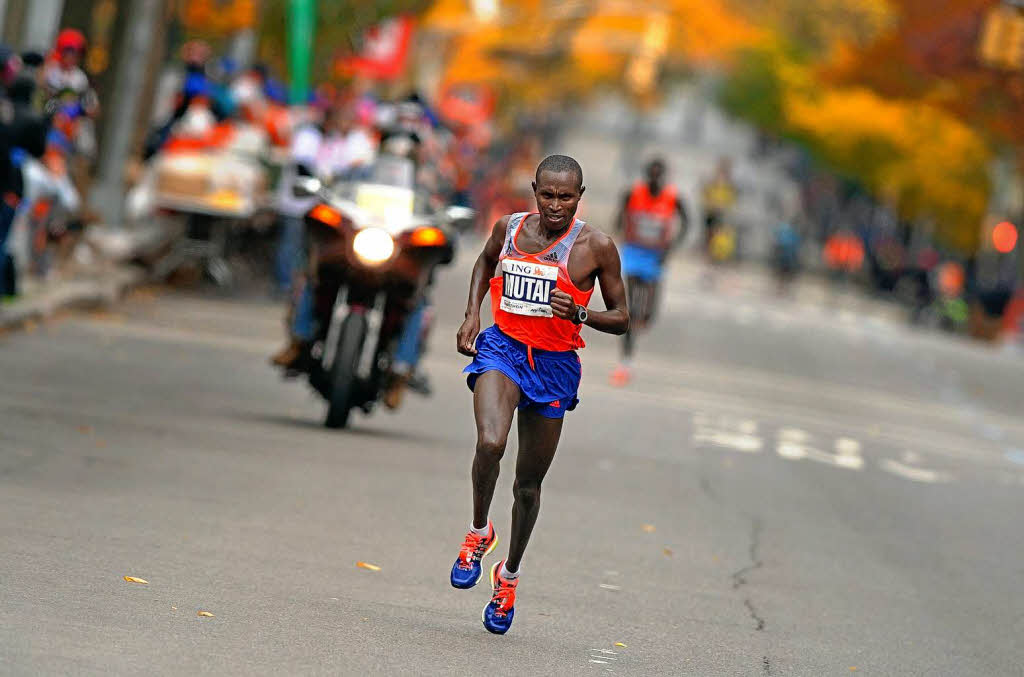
pixel 526 287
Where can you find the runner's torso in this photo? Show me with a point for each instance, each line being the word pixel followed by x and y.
pixel 649 217
pixel 521 290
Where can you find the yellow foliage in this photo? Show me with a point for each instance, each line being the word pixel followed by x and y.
pixel 699 31
pixel 448 16
pixel 825 23
pixel 929 162
pixel 601 42
pixel 470 59
pixel 709 31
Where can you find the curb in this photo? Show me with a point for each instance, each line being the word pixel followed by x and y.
pixel 81 293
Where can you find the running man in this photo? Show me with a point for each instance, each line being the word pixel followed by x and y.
pixel 649 234
pixel 549 263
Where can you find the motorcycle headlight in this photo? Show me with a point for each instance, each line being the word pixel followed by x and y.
pixel 373 246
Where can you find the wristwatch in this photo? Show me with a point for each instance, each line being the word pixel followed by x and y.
pixel 581 315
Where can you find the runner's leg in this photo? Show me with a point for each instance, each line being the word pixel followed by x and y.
pixel 644 303
pixel 634 292
pixel 653 300
pixel 538 440
pixel 495 398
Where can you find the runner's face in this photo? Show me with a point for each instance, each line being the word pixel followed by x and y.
pixel 558 196
pixel 655 176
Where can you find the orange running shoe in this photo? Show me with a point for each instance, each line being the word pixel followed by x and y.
pixel 498 613
pixel 466 571
pixel 621 376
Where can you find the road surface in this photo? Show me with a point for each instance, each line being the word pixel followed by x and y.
pixel 785 489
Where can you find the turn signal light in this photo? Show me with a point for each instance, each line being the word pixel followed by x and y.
pixel 1004 237
pixel 326 215
pixel 428 237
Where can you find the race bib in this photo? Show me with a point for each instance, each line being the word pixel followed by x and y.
pixel 649 229
pixel 527 287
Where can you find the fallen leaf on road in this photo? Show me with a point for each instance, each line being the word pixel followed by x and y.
pixel 84 429
pixel 205 614
pixel 132 579
pixel 367 565
pixel 667 552
pixel 620 644
pixel 648 528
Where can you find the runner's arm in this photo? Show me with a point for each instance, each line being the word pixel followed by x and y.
pixel 479 285
pixel 614 320
pixel 620 219
pixel 684 224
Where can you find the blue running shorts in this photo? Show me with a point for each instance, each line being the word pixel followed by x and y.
pixel 641 262
pixel 549 386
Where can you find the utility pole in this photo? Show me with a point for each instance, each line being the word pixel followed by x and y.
pixel 41 23
pixel 123 108
pixel 301 24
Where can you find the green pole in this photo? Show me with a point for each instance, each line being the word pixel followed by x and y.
pixel 301 20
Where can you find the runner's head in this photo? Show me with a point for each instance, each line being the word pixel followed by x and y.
pixel 655 175
pixel 558 188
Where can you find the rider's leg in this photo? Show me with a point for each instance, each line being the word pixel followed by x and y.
pixel 495 398
pixel 538 440
pixel 301 325
pixel 304 319
pixel 407 354
pixel 288 259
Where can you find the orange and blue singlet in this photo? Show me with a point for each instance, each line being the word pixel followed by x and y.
pixel 648 231
pixel 527 343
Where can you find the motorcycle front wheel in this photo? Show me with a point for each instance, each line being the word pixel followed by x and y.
pixel 344 381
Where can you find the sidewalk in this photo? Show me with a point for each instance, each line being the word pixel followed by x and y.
pixel 103 281
pixel 100 285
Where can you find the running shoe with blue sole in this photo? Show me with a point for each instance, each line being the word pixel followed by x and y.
pixel 466 572
pixel 497 615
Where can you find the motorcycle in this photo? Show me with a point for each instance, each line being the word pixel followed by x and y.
pixel 376 245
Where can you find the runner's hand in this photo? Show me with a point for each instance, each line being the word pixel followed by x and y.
pixel 467 335
pixel 562 305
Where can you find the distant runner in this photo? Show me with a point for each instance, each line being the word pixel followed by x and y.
pixel 647 222
pixel 549 263
pixel 719 198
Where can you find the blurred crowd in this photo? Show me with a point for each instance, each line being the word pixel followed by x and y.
pixel 47 149
pixel 227 144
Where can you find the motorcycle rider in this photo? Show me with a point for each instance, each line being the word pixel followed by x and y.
pixel 329 149
pixel 353 157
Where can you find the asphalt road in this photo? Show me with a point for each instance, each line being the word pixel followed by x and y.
pixel 784 490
